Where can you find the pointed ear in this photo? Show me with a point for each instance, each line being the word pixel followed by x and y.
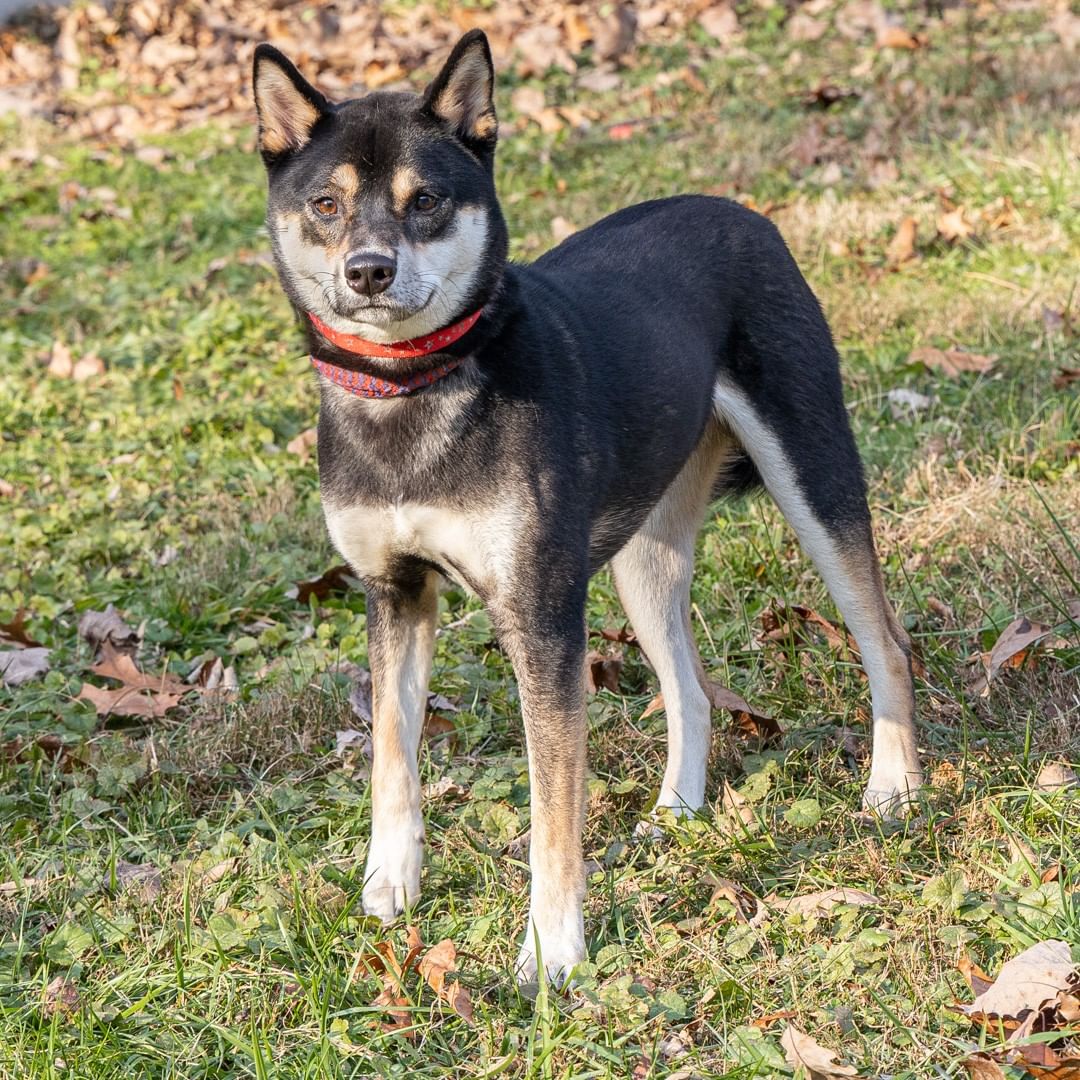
pixel 462 95
pixel 288 106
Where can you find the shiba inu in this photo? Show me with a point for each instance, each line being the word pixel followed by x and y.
pixel 514 428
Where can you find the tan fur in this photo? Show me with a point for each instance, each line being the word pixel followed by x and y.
pixel 347 181
pixel 400 647
pixel 465 102
pixel 286 117
pixel 653 574
pixel 404 186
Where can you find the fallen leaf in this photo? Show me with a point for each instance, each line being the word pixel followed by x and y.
pixel 335 580
pixel 719 22
pixel 1027 982
pixel 440 961
pixel 15 631
pixel 602 672
pixel 983 1067
pixel 951 362
pixel 18 666
pixel 142 879
pixel 902 246
pixel 302 444
pixel 976 978
pixel 528 101
pixel 87 367
pixel 769 1019
pixel 117 665
pixel 1054 776
pixel 820 902
pixel 904 402
pixel 561 229
pixel 99 627
pixel 818 1062
pixel 61 997
pixel 128 701
pixel 952 225
pixel 736 809
pixel 1013 643
pixel 218 871
pixel 439 727
pixel 443 788
pixel 1066 377
pixel 896 37
pixel 61 363
pixel 614 34
pixel 748 908
pixel 622 636
pixel 747 721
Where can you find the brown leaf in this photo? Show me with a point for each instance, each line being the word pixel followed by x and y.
pixel 303 443
pixel 614 34
pixel 87 367
pixel 748 908
pixel 769 1019
pixel 818 1062
pixel 18 666
pixel 438 962
pixel 61 363
pixel 100 627
pixel 1066 377
pixel 602 672
pixel 719 22
pixel 142 879
pixel 983 1067
pixel 439 727
pixel 15 631
pixel 1054 775
pixel 400 1020
pixel 902 246
pixel 747 721
pixel 951 362
pixel 738 813
pixel 820 902
pixel 61 996
pixel 623 636
pixel 896 37
pixel 1013 643
pixel 336 579
pixel 952 225
pixel 1036 976
pixel 127 701
pixel 120 666
pixel 976 978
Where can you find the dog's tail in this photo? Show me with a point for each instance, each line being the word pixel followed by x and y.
pixel 738 477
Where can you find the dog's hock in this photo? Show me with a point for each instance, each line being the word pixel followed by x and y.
pixel 462 95
pixel 288 106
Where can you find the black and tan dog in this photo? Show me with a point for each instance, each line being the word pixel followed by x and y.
pixel 516 427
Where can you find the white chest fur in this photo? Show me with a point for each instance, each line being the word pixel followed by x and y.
pixel 472 547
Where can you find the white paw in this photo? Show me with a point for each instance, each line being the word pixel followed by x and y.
pixel 561 953
pixel 892 795
pixel 392 874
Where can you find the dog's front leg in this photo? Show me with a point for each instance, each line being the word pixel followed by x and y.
pixel 548 652
pixel 401 619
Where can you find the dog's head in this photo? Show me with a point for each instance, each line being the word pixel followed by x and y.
pixel 382 210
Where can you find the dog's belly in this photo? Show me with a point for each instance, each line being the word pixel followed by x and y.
pixel 472 547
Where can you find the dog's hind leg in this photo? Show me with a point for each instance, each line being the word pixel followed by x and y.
pixel 805 454
pixel 652 575
pixel 401 620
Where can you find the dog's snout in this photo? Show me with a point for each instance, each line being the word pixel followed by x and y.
pixel 369 273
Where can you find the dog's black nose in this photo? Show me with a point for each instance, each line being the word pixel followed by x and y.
pixel 369 273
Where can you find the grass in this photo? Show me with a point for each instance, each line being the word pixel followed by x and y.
pixel 164 487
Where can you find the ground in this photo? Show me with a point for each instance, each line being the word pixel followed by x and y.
pixel 163 484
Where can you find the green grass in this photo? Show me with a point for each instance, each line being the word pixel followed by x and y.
pixel 179 448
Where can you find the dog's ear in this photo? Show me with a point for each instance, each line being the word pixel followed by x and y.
pixel 462 95
pixel 289 107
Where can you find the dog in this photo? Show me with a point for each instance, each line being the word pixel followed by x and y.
pixel 514 428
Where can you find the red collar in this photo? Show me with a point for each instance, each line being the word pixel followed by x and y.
pixel 373 386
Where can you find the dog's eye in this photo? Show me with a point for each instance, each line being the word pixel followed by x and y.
pixel 426 202
pixel 325 207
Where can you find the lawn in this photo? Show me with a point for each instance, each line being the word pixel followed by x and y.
pixel 179 894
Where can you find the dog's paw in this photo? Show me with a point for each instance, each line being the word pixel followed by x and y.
pixel 892 795
pixel 392 874
pixel 652 828
pixel 561 954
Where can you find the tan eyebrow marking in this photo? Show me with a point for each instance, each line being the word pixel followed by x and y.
pixel 346 179
pixel 403 186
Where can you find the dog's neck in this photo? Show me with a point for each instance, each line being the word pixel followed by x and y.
pixel 358 378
